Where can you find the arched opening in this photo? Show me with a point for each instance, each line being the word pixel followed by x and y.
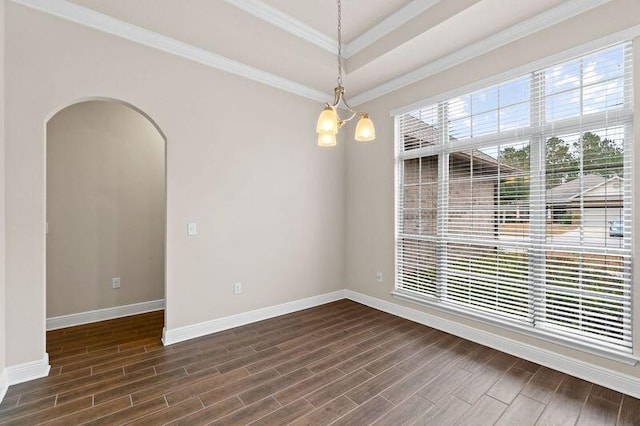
pixel 106 213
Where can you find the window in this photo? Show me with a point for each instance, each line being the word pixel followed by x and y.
pixel 514 202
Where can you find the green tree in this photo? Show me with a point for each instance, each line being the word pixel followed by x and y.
pixel 514 186
pixel 517 158
pixel 561 165
pixel 600 156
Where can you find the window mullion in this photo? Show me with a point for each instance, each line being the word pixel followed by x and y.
pixel 628 213
pixel 537 201
pixel 399 198
pixel 443 204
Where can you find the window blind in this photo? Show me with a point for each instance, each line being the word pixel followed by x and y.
pixel 514 201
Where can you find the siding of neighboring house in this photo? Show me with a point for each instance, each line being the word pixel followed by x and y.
pixel 608 194
pixel 472 202
pixel 595 201
pixel 472 209
pixel 421 183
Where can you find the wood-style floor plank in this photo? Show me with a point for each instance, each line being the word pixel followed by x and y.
pixel 598 412
pixel 523 411
pixel 629 412
pixel 170 414
pixel 211 413
pixel 543 384
pixel 250 413
pixel 234 388
pixel 567 402
pixel 328 413
pixel 446 412
pixel 341 363
pixel 127 415
pixel 486 411
pixel 286 414
pixel 507 388
pixel 307 386
pixel 367 413
pixel 407 412
pixel 92 413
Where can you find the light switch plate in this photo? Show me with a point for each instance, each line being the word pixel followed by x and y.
pixel 192 229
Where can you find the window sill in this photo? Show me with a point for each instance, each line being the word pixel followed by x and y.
pixel 618 356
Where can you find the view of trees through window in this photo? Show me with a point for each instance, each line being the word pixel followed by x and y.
pixel 564 157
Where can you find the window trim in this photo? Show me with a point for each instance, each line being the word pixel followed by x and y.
pixel 494 320
pixel 623 116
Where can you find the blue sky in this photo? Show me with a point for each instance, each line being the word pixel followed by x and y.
pixel 506 106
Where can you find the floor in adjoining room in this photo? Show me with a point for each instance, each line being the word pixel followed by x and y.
pixel 340 363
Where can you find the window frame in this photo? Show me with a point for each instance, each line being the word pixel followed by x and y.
pixel 536 133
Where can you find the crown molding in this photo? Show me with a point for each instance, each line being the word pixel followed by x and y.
pixel 388 25
pixel 522 29
pixel 274 16
pixel 81 15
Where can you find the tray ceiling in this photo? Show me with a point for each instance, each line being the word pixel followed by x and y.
pixel 389 43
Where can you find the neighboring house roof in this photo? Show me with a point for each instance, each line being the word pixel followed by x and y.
pixel 591 187
pixel 486 159
pixel 418 130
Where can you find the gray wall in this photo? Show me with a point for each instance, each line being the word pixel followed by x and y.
pixel 370 168
pixel 105 208
pixel 2 220
pixel 269 204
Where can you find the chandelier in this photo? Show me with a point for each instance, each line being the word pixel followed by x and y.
pixel 329 121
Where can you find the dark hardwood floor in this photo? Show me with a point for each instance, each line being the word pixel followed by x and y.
pixel 341 363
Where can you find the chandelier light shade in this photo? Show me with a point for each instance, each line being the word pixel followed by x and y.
pixel 365 131
pixel 329 121
pixel 327 139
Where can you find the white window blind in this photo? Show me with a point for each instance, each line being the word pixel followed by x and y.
pixel 514 201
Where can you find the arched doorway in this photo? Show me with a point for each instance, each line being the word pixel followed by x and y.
pixel 106 213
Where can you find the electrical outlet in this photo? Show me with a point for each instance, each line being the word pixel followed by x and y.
pixel 237 288
pixel 115 282
pixel 379 277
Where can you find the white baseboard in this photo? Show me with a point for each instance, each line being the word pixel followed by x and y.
pixel 103 314
pixel 4 384
pixel 28 370
pixel 181 334
pixel 605 377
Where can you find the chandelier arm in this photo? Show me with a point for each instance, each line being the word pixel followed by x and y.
pixel 344 101
pixel 337 96
pixel 351 117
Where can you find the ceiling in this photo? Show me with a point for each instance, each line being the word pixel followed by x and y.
pixel 388 43
pixel 357 15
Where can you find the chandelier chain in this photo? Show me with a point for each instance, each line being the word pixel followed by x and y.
pixel 339 43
